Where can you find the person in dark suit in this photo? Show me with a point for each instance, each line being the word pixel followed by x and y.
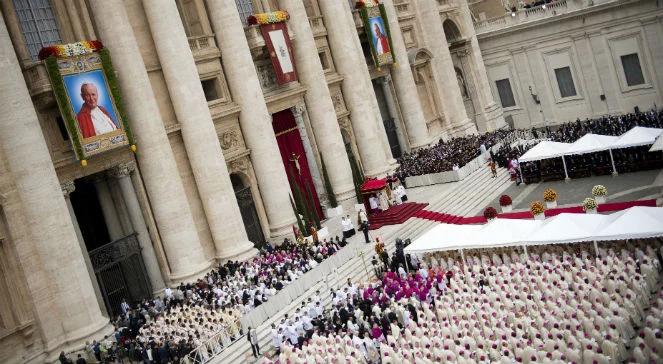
pixel 252 337
pixel 80 360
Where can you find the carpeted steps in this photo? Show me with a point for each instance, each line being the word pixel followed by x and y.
pixel 395 215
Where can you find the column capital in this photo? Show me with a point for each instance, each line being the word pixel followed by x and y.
pixel 298 110
pixel 122 170
pixel 67 188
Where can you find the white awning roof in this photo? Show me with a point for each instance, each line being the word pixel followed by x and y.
pixel 544 150
pixel 637 222
pixel 590 143
pixel 658 144
pixel 637 136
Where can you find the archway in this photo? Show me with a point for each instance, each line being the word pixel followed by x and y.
pixel 247 208
pixel 451 31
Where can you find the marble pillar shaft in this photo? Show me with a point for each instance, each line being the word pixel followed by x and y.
pixel 298 112
pixel 406 89
pixel 255 120
pixel 156 160
pixel 108 210
pixel 385 83
pixel 319 102
pixel 357 87
pixel 443 68
pixel 122 174
pixel 198 131
pixel 69 290
pixel 491 112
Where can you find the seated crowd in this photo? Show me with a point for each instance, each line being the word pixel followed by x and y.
pixel 167 330
pixel 598 163
pixel 554 304
pixel 445 155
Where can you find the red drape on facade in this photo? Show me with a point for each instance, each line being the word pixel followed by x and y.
pixel 290 142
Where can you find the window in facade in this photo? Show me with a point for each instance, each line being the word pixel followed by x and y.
pixel 505 92
pixel 37 24
pixel 210 90
pixel 245 8
pixel 632 69
pixel 565 82
pixel 323 60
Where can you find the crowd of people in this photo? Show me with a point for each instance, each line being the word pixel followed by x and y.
pixel 445 155
pixel 166 330
pixel 552 304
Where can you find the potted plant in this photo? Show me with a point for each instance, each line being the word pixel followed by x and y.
pixel 599 192
pixel 490 213
pixel 506 203
pixel 537 210
pixel 550 196
pixel 589 205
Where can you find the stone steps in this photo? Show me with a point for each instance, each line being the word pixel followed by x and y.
pixel 463 198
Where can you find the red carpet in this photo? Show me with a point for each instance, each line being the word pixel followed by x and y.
pixel 397 214
pixel 461 220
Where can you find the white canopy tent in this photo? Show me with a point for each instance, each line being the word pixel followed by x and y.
pixel 568 228
pixel 637 222
pixel 636 137
pixel 658 144
pixel 590 143
pixel 547 149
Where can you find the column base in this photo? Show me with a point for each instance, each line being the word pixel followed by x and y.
pixel 463 128
pixel 76 340
pixel 494 117
pixel 381 172
pixel 242 251
pixel 278 233
pixel 198 272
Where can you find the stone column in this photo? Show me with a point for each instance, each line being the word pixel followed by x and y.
pixel 155 157
pixel 443 69
pixel 406 89
pixel 67 188
pixel 357 86
pixel 385 82
pixel 255 120
pixel 319 102
pixel 198 131
pixel 74 19
pixel 65 286
pixel 298 111
pixel 122 173
pixel 108 209
pixel 491 112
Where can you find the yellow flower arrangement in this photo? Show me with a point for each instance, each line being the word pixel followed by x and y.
pixel 536 208
pixel 549 195
pixel 278 16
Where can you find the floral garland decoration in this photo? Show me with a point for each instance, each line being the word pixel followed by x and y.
pixel 490 213
pixel 549 195
pixel 536 208
pixel 588 204
pixel 273 17
pixel 599 190
pixel 71 49
pixel 505 200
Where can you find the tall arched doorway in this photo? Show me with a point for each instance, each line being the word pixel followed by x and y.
pixel 248 209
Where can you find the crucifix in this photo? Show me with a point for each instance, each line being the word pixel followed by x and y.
pixel 294 158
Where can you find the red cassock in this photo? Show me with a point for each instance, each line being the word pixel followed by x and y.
pixel 85 120
pixel 385 43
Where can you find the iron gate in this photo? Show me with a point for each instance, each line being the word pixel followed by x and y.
pixel 121 273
